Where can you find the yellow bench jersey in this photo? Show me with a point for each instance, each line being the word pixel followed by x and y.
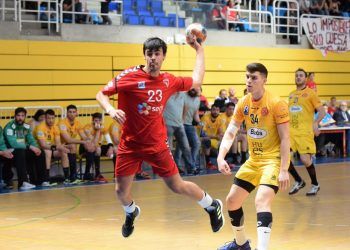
pixel 71 129
pixel 211 127
pixel 114 129
pixel 225 121
pixel 43 132
pixel 261 118
pixel 91 132
pixel 302 105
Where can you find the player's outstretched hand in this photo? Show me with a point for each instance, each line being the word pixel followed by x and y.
pixel 283 180
pixel 224 167
pixel 192 41
pixel 118 115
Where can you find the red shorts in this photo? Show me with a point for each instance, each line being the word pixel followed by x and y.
pixel 162 163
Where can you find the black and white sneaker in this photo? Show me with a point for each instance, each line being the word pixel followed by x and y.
pixel 128 227
pixel 296 187
pixel 217 219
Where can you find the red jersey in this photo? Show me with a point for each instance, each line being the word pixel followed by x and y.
pixel 143 99
pixel 311 85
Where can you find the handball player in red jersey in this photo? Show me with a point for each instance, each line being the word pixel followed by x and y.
pixel 142 95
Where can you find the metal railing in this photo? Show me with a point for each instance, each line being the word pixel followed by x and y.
pixel 5 9
pixel 287 21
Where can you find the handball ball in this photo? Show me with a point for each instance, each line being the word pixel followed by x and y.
pixel 198 30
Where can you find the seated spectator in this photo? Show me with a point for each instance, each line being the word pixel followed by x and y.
pixel 104 12
pixel 217 18
pixel 332 107
pixel 78 7
pixel 319 7
pixel 27 157
pixel 305 6
pixel 211 134
pixel 70 128
pixel 221 100
pixel 231 16
pixel 231 96
pixel 342 118
pixel 310 82
pixel 5 154
pixel 38 118
pixel 204 104
pixel 334 8
pixel 48 137
pixel 95 132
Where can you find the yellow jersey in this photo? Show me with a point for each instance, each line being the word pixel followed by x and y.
pixel 261 118
pixel 114 130
pixel 225 121
pixel 71 129
pixel 44 132
pixel 211 128
pixel 90 132
pixel 302 105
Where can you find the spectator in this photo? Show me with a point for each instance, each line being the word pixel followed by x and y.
pixel 319 7
pixel 342 118
pixel 334 7
pixel 204 104
pixel 70 128
pixel 5 154
pixel 38 117
pixel 27 157
pixel 78 7
pixel 104 12
pixel 293 21
pixel 47 135
pixel 310 83
pixel 305 6
pixel 191 118
pixel 231 96
pixel 332 107
pixel 231 16
pixel 217 18
pixel 174 117
pixel 94 132
pixel 210 134
pixel 221 100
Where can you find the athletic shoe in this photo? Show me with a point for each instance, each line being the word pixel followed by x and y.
pixel 26 186
pixel 211 166
pixel 313 191
pixel 45 184
pixel 101 179
pixel 217 219
pixel 66 182
pixel 76 182
pixel 297 186
pixel 142 176
pixel 232 245
pixel 128 227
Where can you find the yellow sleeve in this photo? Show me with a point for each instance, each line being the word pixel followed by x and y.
pixel 62 127
pixel 56 131
pixel 280 112
pixel 238 114
pixel 40 133
pixel 316 102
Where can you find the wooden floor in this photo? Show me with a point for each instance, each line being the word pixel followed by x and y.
pixel 89 217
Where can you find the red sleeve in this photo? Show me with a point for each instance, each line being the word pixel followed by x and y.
pixel 183 83
pixel 110 88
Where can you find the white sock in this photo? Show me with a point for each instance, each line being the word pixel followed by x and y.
pixel 240 235
pixel 206 201
pixel 263 237
pixel 130 208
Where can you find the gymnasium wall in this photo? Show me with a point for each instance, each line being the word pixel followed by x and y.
pixel 61 73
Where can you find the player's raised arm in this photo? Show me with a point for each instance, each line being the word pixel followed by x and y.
pixel 199 68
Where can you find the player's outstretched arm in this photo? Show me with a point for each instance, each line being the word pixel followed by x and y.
pixel 199 68
pixel 225 146
pixel 116 114
pixel 283 132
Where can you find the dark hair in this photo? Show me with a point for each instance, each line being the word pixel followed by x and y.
pixel 96 115
pixel 38 113
pixel 300 69
pixel 154 44
pixel 20 110
pixel 71 106
pixel 230 104
pixel 214 105
pixel 257 67
pixel 310 73
pixel 49 112
pixel 221 90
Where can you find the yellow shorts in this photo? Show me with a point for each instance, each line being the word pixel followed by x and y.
pixel 261 171
pixel 303 144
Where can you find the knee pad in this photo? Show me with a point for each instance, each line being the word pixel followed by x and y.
pixel 264 219
pixel 237 217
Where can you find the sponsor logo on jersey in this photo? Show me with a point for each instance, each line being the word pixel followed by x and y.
pixel 295 109
pixel 257 133
pixel 166 82
pixel 141 85
pixel 264 111
pixel 305 95
pixel 143 108
pixel 246 110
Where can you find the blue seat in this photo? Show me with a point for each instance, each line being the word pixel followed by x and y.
pixel 112 6
pixel 133 20
pixel 156 6
pixel 129 12
pixel 164 21
pixel 144 13
pixel 158 14
pixel 142 5
pixel 128 5
pixel 181 22
pixel 148 20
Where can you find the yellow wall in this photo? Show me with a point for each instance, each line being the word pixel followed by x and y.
pixel 60 73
